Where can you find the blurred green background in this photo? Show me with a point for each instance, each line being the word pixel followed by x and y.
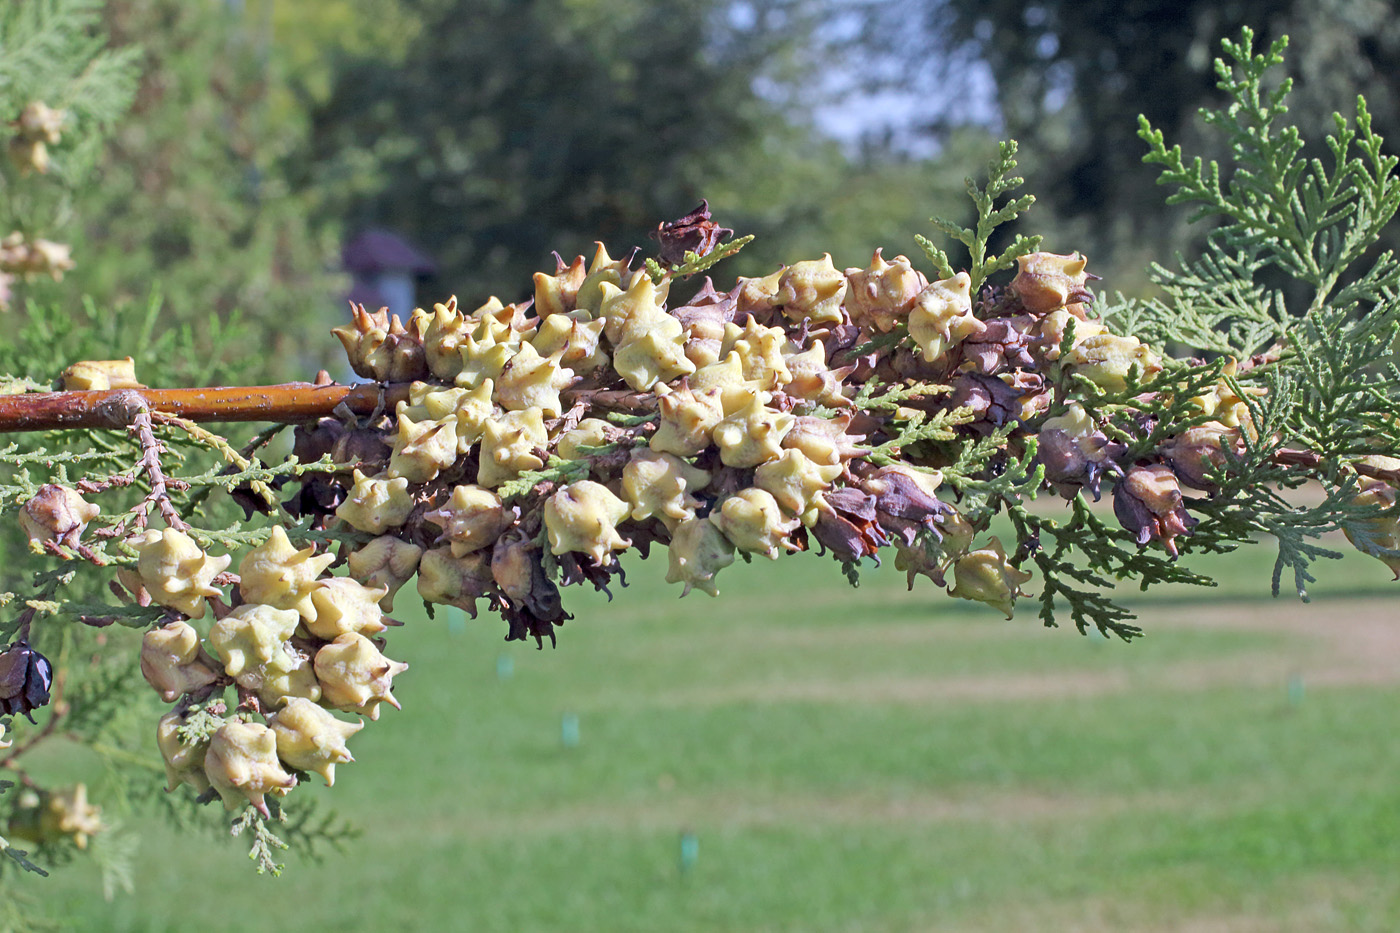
pixel 796 755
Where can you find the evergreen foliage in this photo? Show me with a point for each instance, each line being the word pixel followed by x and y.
pixel 989 217
pixel 61 92
pixel 197 202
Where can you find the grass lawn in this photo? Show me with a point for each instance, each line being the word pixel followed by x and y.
pixel 849 760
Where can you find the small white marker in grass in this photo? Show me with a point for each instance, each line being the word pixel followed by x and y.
pixel 690 851
pixel 1295 689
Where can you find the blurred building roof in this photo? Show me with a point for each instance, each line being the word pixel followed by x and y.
pixel 381 251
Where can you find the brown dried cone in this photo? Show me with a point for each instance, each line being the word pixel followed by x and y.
pixel 1076 453
pixel 905 501
pixel 846 525
pixel 25 678
pixel 998 346
pixel 1148 503
pixel 695 233
pixel 1199 450
pixel 993 403
pixel 933 553
pixel 57 515
pixel 704 318
pixel 518 571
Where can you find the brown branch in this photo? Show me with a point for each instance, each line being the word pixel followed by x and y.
pixel 112 408
pixel 1313 462
pixel 151 449
pixel 615 399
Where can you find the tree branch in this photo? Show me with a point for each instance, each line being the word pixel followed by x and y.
pixel 287 403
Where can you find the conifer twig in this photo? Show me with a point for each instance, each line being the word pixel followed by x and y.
pixel 110 408
pixel 149 463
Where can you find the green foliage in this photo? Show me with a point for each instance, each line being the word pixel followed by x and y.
pixel 1278 211
pixel 197 201
pixel 265 841
pixel 51 52
pixel 555 471
pixel 990 216
pixel 19 857
pixel 1325 381
pixel 1330 384
pixel 307 828
pixel 695 264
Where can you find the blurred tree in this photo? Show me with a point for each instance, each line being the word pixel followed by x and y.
pixel 61 92
pixel 194 201
pixel 1071 76
pixel 514 128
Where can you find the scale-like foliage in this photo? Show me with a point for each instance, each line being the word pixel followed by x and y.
pixel 1308 218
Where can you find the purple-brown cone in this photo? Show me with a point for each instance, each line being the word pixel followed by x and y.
pixel 695 233
pixel 993 402
pixel 25 677
pixel 1148 503
pixel 904 501
pixel 846 524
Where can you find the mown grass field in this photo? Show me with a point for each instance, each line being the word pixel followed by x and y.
pixel 851 760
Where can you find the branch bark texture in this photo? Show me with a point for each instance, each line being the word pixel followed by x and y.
pixel 287 403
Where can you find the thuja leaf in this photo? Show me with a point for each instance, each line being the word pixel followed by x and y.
pixel 265 841
pixel 555 471
pixel 695 263
pixel 311 829
pixel 877 396
pixel 990 215
pixel 1306 218
pixel 20 857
